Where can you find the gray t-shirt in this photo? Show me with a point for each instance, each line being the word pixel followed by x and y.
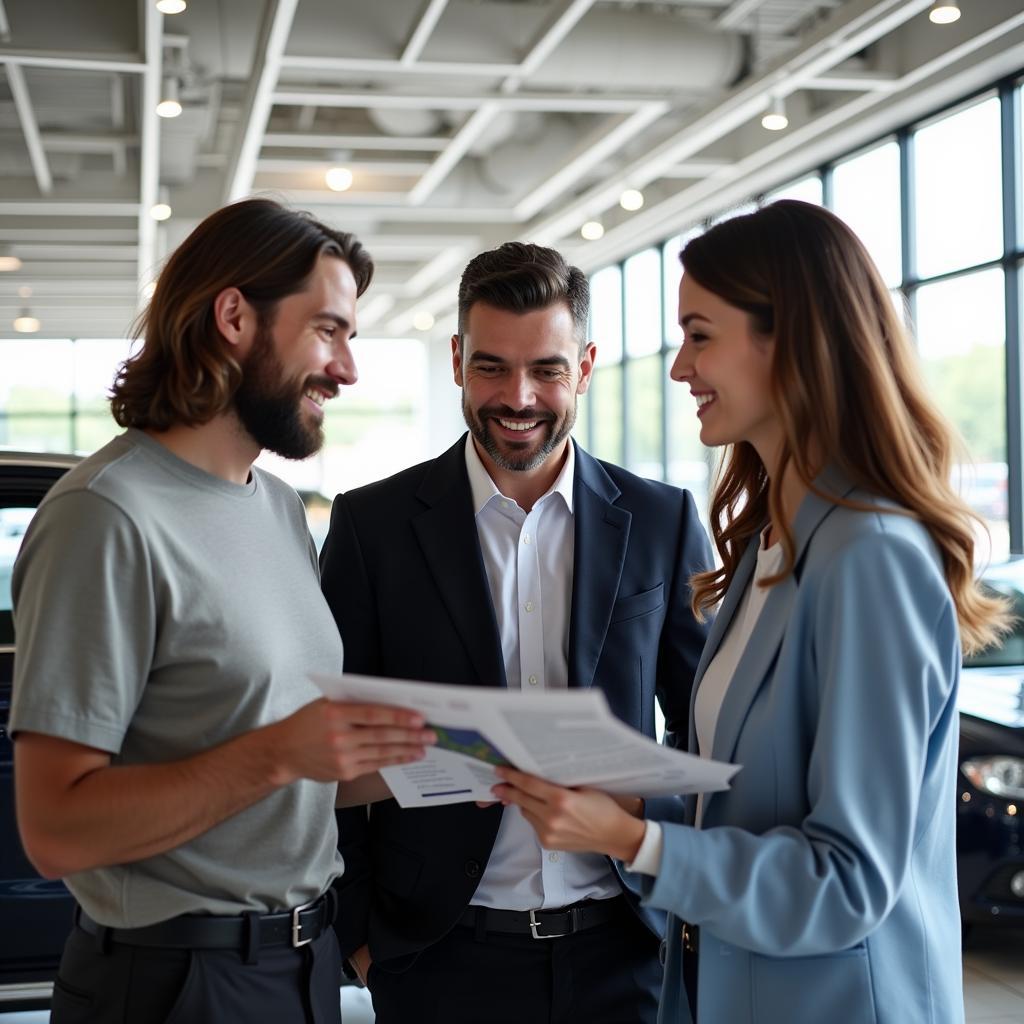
pixel 160 611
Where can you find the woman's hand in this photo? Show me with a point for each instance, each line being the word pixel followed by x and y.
pixel 577 820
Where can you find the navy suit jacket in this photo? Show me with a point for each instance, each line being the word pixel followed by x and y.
pixel 404 576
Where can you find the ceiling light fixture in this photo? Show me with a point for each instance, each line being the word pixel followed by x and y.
pixel 632 199
pixel 169 105
pixel 161 209
pixel 25 322
pixel 171 6
pixel 9 263
pixel 423 320
pixel 775 119
pixel 339 179
pixel 592 230
pixel 944 12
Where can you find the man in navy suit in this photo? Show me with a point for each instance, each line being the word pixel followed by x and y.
pixel 514 559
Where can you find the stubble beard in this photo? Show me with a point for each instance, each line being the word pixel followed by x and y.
pixel 524 460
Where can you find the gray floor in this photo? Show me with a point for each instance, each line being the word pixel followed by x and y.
pixel 993 984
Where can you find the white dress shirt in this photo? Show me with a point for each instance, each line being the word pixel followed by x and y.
pixel 528 557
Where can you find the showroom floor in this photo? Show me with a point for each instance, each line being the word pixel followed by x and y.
pixel 993 984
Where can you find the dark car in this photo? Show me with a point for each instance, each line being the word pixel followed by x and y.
pixel 36 913
pixel 990 808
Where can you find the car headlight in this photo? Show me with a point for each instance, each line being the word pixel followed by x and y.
pixel 1001 775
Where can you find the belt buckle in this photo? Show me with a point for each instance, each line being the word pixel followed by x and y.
pixel 297 925
pixel 535 924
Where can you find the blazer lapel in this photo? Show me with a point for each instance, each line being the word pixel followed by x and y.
pixel 753 669
pixel 602 534
pixel 446 531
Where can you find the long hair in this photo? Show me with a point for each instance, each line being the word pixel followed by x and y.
pixel 185 373
pixel 845 379
pixel 520 277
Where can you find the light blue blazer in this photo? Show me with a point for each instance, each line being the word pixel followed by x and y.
pixel 824 881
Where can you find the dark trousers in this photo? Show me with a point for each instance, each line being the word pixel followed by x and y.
pixel 133 984
pixel 608 974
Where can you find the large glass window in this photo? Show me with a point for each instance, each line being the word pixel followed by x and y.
pixel 954 288
pixel 807 190
pixel 961 330
pixel 958 183
pixel 866 194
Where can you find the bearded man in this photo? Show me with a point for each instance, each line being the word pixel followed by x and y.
pixel 173 760
pixel 515 559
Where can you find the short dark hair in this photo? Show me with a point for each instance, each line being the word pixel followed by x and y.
pixel 181 375
pixel 521 277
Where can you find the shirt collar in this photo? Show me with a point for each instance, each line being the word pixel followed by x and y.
pixel 483 488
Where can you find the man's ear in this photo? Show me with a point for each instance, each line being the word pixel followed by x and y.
pixel 587 358
pixel 234 318
pixel 457 360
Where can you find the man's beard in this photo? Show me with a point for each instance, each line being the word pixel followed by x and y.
pixel 522 457
pixel 269 405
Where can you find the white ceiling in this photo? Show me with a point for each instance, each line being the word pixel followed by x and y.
pixel 464 122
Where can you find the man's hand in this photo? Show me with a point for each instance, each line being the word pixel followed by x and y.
pixel 360 960
pixel 337 741
pixel 576 820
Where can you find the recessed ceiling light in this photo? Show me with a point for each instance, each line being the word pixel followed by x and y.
pixel 171 6
pixel 8 263
pixel 632 199
pixel 944 12
pixel 423 320
pixel 339 179
pixel 160 211
pixel 592 230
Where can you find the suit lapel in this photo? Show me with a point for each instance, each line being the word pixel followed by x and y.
pixel 446 531
pixel 601 530
pixel 753 669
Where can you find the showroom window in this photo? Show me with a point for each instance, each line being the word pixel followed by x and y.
pixel 938 206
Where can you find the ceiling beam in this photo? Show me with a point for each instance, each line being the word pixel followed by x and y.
pixel 556 102
pixel 474 127
pixel 30 58
pixel 588 157
pixel 300 140
pixel 414 47
pixel 66 208
pixel 735 14
pixel 277 24
pixel 30 128
pixel 386 67
pixel 560 25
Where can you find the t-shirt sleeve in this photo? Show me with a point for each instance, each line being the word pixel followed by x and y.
pixel 84 619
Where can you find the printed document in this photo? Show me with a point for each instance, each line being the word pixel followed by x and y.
pixel 569 737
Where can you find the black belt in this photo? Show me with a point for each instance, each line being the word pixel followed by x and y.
pixel 544 924
pixel 294 928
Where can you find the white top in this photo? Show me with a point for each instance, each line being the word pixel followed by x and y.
pixel 528 558
pixel 714 685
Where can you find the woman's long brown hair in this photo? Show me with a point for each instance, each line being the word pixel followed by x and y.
pixel 844 375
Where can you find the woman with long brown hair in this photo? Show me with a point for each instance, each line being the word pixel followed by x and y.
pixel 822 886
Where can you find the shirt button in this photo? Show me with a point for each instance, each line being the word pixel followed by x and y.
pixel 472 868
pixel 553 857
pixel 529 606
pixel 533 680
pixel 526 538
